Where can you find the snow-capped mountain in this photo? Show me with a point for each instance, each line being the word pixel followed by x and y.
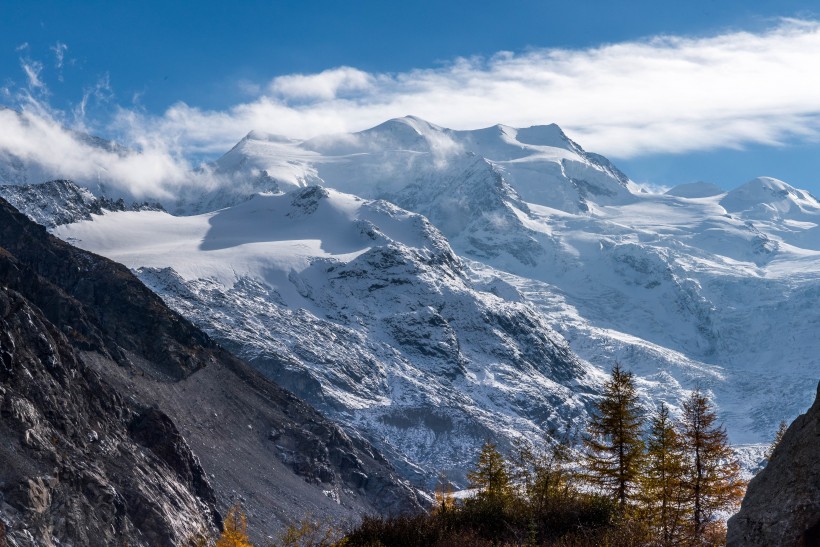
pixel 363 309
pixel 765 198
pixel 475 186
pixel 697 286
pixel 404 156
pixel 383 319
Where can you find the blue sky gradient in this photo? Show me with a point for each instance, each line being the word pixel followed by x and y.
pixel 148 56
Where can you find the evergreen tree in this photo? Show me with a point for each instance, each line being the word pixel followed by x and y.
pixel 614 445
pixel 544 472
pixel 491 475
pixel 662 492
pixel 778 436
pixel 712 480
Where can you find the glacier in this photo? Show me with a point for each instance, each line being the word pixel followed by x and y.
pixel 432 288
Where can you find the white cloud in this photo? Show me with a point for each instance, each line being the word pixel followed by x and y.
pixel 43 142
pixel 660 95
pixel 665 94
pixel 326 85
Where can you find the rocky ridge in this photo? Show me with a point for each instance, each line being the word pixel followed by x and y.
pixel 58 202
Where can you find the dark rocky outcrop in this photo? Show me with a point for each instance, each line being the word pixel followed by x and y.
pixel 121 422
pixel 782 503
pixel 72 471
pixel 98 302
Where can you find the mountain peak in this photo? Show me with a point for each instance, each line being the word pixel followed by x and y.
pixel 407 125
pixel 769 197
pixel 544 135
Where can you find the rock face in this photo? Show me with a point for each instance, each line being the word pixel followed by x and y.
pixel 73 470
pixel 782 503
pixel 107 398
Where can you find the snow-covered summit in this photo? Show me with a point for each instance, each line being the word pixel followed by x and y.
pixel 540 163
pixel 407 133
pixel 766 197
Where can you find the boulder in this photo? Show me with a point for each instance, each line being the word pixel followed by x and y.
pixel 782 503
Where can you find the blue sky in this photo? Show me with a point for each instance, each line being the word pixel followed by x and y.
pixel 193 77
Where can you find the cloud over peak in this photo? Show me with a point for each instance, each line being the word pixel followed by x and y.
pixel 662 94
pixel 326 85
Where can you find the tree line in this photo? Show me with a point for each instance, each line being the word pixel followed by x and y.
pixel 676 476
pixel 630 480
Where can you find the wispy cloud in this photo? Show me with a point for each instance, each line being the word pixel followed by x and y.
pixel 664 94
pixel 32 70
pixel 39 140
pixel 101 91
pixel 59 50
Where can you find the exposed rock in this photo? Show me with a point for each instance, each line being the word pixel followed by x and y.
pixel 58 202
pixel 71 472
pixel 782 503
pixel 97 302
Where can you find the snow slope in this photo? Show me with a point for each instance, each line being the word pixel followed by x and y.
pixel 362 309
pixel 686 294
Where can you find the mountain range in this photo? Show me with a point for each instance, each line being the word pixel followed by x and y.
pixel 428 288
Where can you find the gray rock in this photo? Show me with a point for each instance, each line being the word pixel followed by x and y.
pixel 782 503
pixel 57 483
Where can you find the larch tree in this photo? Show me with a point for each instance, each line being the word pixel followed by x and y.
pixel 662 484
pixel 235 529
pixel 613 442
pixel 445 501
pixel 545 471
pixel 712 480
pixel 491 475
